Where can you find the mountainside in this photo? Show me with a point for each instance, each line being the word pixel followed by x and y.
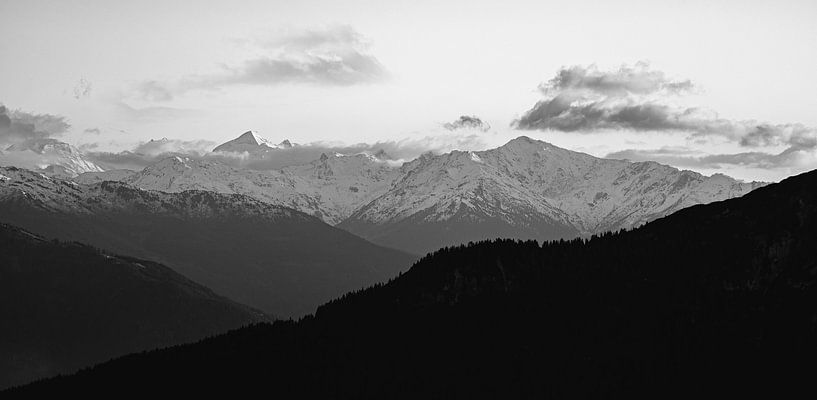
pixel 50 156
pixel 66 305
pixel 274 258
pixel 526 189
pixel 714 300
pixel 249 142
pixel 330 188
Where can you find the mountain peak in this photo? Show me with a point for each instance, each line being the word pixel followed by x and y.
pixel 249 137
pixel 249 141
pixel 525 140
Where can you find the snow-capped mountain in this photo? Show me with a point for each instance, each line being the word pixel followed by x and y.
pixel 525 188
pixel 277 259
pixel 52 157
pixel 330 188
pixel 250 142
pixel 523 184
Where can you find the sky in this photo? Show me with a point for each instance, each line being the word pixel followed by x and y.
pixel 713 86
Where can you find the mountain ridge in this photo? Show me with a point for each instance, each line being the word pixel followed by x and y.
pixel 571 193
pixel 715 299
pixel 67 305
pixel 271 257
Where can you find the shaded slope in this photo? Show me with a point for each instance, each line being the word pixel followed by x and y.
pixel 718 299
pixel 270 257
pixel 65 305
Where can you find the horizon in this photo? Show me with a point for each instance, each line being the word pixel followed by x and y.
pixel 679 84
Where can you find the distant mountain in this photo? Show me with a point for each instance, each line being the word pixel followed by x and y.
pixel 64 306
pixel 526 189
pixel 330 188
pixel 250 142
pixel 274 258
pixel 50 156
pixel 716 300
pixel 89 178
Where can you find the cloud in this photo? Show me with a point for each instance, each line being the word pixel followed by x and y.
pixel 627 80
pixel 17 126
pixel 92 131
pixel 146 153
pixel 585 100
pixel 150 114
pixel 153 91
pixel 82 89
pixel 467 122
pixel 334 56
pixel 798 159
pixel 393 151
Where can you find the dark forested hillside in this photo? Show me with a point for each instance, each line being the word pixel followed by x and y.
pixel 64 306
pixel 713 300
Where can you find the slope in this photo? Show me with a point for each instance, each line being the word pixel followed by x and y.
pixel 714 300
pixel 274 258
pixel 67 305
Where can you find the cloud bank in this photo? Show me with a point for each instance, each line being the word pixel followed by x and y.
pixel 467 122
pixel 333 56
pixel 393 151
pixel 586 100
pixel 18 126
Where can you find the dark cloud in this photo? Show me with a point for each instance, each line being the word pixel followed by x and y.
pixel 17 126
pixel 586 100
pixel 92 131
pixel 627 80
pixel 336 56
pixel 467 122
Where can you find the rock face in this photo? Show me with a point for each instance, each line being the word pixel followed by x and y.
pixel 526 189
pixel 250 142
pixel 274 258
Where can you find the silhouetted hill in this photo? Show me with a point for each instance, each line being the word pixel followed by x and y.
pixel 65 305
pixel 279 260
pixel 714 300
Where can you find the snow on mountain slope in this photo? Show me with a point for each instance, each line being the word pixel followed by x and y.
pixel 525 187
pixel 58 195
pixel 602 194
pixel 277 259
pixel 330 188
pixel 52 157
pixel 340 184
pixel 523 184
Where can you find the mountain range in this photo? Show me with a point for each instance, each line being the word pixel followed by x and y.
pixel 714 300
pixel 525 189
pixel 49 156
pixel 274 258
